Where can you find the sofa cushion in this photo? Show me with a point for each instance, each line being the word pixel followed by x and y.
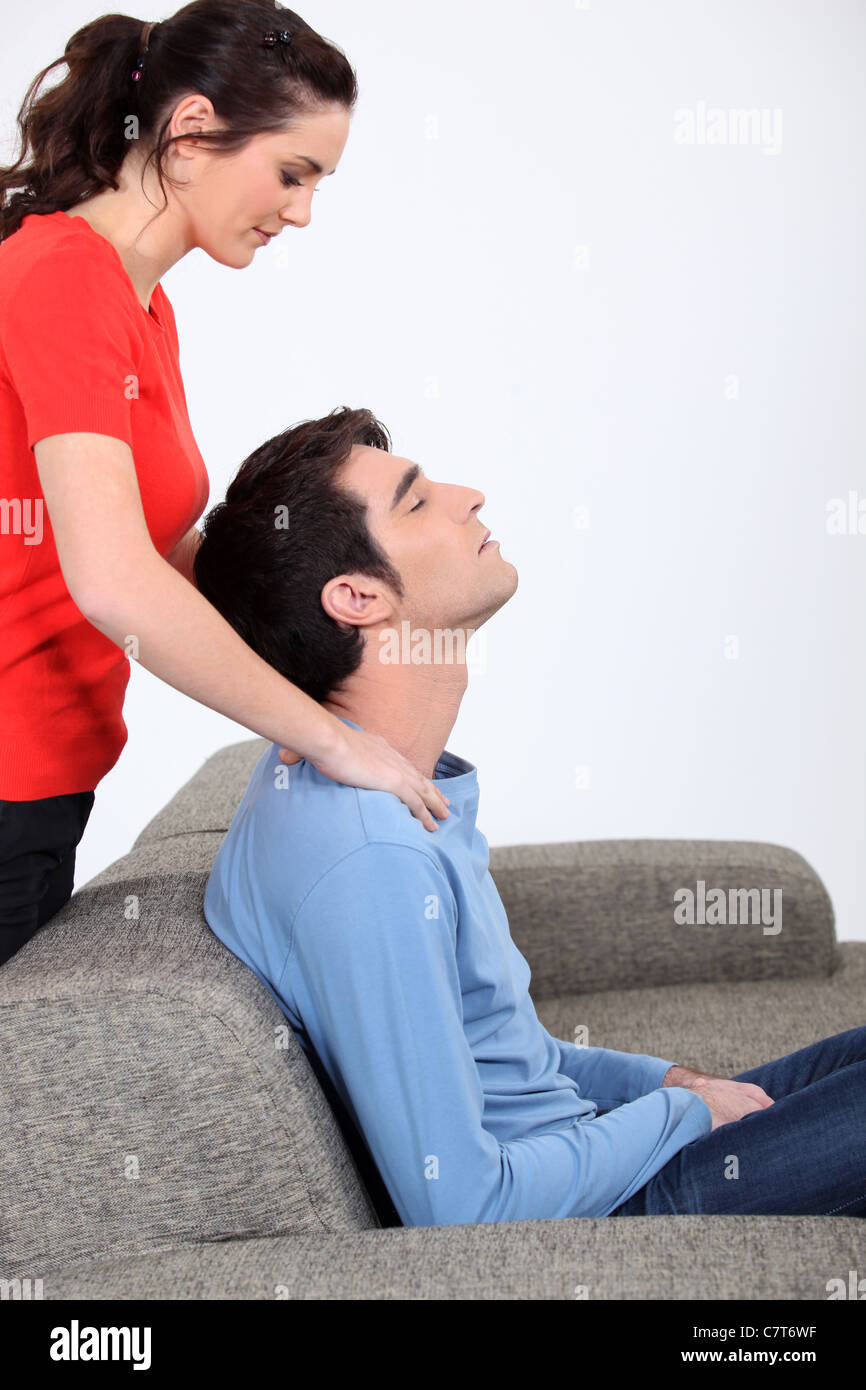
pixel 584 1260
pixel 724 1028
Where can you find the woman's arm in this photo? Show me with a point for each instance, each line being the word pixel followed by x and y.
pixel 125 588
pixel 181 558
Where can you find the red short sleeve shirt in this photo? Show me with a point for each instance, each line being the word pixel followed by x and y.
pixel 78 352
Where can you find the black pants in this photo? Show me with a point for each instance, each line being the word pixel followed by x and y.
pixel 38 840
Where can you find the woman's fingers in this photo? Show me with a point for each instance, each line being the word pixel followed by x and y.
pixel 434 798
pixel 368 760
pixel 425 798
pixel 287 756
pixel 431 798
pixel 419 810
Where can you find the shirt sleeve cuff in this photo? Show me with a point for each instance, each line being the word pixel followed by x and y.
pixel 657 1070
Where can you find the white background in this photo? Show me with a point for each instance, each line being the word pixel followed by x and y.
pixel 543 294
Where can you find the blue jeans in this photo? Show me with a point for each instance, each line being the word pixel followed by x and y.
pixel 805 1155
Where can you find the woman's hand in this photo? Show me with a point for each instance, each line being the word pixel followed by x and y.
pixel 368 760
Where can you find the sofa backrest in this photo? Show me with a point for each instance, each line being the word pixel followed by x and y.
pixel 152 1091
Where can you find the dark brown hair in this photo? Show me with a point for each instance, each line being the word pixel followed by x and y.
pixel 77 133
pixel 285 528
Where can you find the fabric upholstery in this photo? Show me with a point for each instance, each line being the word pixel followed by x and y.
pixel 166 1135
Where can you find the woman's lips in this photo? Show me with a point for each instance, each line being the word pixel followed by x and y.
pixel 264 237
pixel 487 545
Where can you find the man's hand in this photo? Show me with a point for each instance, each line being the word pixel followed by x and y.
pixel 727 1100
pixel 684 1076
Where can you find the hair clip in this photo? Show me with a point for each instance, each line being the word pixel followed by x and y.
pixel 274 37
pixel 145 41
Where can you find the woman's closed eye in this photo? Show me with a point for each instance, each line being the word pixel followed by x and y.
pixel 291 182
pixel 418 504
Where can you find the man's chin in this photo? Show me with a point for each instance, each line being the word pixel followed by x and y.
pixel 513 577
pixel 498 594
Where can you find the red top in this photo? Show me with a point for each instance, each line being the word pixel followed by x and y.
pixel 78 352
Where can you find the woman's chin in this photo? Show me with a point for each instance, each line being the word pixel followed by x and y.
pixel 237 255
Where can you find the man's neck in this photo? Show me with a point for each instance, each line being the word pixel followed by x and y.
pixel 413 707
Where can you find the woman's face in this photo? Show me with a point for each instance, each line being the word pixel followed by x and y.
pixel 269 184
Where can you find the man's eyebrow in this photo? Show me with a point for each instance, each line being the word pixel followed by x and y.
pixel 318 168
pixel 404 484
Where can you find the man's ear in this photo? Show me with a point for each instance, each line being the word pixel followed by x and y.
pixel 356 599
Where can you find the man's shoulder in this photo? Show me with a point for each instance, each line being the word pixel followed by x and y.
pixel 296 829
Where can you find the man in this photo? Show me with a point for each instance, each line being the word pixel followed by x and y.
pixel 386 944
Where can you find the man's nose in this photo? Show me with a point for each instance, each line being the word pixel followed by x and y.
pixel 477 500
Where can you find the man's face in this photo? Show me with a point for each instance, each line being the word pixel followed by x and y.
pixel 431 533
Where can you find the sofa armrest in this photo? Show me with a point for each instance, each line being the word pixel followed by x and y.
pixel 608 914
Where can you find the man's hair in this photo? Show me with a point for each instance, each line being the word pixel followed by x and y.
pixel 285 528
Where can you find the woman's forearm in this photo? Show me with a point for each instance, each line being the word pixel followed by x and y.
pixel 165 624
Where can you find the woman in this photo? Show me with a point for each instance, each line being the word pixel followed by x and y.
pixel 208 129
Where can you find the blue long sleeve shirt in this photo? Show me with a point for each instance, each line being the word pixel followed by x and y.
pixel 387 947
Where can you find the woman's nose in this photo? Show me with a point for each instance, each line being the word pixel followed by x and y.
pixel 297 213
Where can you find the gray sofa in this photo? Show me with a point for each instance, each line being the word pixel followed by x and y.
pixel 165 1139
